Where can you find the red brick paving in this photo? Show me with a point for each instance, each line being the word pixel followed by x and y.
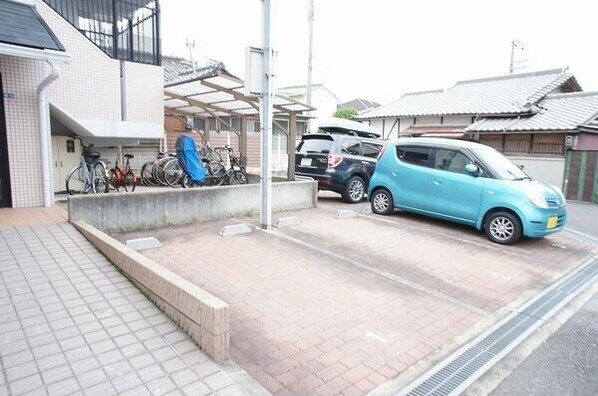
pixel 303 322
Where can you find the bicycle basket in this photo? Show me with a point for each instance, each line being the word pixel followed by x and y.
pixel 90 154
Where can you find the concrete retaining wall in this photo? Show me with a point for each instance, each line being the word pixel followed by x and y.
pixel 117 212
pixel 201 315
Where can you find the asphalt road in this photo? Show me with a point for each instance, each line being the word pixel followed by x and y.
pixel 566 363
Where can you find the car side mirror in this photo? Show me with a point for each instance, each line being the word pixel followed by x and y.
pixel 472 169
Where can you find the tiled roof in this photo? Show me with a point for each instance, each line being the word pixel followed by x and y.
pixel 563 112
pixel 177 70
pixel 360 104
pixel 591 125
pixel 21 25
pixel 511 94
pixel 296 91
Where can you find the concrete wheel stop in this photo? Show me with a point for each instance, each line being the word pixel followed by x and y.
pixel 143 243
pixel 345 214
pixel 287 222
pixel 235 229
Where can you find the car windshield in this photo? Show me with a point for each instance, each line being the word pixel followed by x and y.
pixel 501 166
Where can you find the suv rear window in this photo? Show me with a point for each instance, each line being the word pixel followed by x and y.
pixel 317 145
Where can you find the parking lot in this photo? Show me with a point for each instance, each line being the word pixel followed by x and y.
pixel 343 305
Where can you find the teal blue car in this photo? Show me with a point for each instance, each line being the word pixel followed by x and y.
pixel 468 183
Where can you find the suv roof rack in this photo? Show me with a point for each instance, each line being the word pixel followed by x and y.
pixel 339 131
pixel 335 125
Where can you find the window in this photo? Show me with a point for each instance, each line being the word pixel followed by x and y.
pixel 320 146
pixel 451 160
pixel 548 143
pixel 126 30
pixel 414 155
pixel 350 146
pixel 370 149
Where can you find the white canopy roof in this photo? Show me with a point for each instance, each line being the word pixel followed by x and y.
pixel 221 95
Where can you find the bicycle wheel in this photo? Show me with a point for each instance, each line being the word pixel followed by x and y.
pixel 238 177
pixel 158 171
pixel 113 180
pixel 130 181
pixel 75 181
pixel 146 173
pixel 100 179
pixel 173 173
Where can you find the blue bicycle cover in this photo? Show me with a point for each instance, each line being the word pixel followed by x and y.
pixel 189 158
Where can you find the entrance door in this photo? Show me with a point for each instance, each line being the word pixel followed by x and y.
pixel 66 153
pixel 5 199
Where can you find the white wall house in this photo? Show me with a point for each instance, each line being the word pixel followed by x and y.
pixel 81 87
pixel 526 116
pixel 323 99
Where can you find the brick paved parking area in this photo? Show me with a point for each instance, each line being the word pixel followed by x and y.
pixel 341 306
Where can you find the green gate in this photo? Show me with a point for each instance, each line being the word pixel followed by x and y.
pixel 581 175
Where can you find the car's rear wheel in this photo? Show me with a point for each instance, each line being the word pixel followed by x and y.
pixel 503 227
pixel 382 202
pixel 354 190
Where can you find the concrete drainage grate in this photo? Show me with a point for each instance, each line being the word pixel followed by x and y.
pixel 463 367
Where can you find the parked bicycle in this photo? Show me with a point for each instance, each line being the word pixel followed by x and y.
pixel 123 177
pixel 220 164
pixel 90 175
pixel 217 173
pixel 234 174
pixel 152 172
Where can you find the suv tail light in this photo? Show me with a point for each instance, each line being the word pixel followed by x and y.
pixel 381 153
pixel 334 160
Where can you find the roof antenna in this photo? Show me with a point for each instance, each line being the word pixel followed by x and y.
pixel 191 46
pixel 513 65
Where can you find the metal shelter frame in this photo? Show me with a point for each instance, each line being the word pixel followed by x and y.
pixel 219 95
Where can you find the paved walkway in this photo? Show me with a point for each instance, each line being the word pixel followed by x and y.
pixel 70 323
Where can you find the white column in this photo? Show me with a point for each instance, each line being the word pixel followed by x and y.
pixel 266 110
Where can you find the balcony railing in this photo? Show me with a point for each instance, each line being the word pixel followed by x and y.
pixel 123 29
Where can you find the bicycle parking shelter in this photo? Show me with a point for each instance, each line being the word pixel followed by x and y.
pixel 211 93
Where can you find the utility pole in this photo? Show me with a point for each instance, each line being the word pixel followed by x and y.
pixel 310 20
pixel 514 44
pixel 266 113
pixel 191 46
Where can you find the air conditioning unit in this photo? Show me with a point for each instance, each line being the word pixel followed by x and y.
pixel 570 141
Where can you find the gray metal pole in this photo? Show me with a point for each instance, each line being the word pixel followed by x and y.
pixel 266 110
pixel 310 19
pixel 511 65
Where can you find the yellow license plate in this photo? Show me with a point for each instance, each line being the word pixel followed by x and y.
pixel 552 221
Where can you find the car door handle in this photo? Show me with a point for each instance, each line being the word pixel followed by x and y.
pixel 438 182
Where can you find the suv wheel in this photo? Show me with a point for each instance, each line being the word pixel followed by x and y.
pixel 354 190
pixel 382 202
pixel 503 227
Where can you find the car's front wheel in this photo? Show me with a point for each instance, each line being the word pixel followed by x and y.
pixel 354 190
pixel 503 227
pixel 382 202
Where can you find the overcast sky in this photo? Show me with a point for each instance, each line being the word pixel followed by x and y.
pixel 379 49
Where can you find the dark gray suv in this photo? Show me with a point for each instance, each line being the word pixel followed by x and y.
pixel 340 163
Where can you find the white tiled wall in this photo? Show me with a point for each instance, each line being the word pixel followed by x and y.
pixel 88 88
pixel 145 103
pixel 21 78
